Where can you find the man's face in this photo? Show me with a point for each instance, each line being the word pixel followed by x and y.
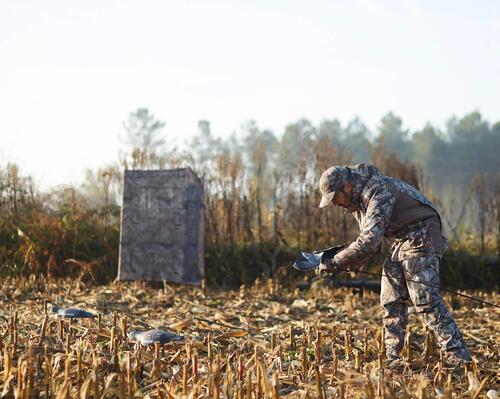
pixel 343 198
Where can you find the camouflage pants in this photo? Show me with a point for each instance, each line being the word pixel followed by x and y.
pixel 396 289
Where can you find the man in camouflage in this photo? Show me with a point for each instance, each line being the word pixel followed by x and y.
pixel 385 207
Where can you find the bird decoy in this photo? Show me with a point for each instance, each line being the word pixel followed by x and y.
pixel 151 336
pixel 311 260
pixel 72 313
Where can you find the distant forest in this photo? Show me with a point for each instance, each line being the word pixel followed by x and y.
pixel 261 193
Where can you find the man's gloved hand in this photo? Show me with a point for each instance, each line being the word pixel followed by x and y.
pixel 329 266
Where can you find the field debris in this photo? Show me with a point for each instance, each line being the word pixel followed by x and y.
pixel 264 341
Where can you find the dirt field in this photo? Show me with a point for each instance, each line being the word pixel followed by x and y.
pixel 263 341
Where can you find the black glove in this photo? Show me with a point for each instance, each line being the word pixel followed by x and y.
pixel 329 265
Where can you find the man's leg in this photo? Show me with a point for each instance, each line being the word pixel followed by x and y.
pixel 393 294
pixel 430 306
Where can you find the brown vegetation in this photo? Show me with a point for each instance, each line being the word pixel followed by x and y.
pixel 255 222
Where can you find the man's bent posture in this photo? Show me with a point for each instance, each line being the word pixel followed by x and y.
pixel 390 208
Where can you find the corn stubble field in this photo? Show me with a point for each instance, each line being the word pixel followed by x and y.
pixel 264 341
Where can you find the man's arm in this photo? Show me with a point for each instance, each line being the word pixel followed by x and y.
pixel 379 206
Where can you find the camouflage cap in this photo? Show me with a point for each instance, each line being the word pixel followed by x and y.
pixel 332 181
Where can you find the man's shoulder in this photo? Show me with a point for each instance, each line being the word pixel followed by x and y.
pixel 376 189
pixel 366 170
pixel 409 190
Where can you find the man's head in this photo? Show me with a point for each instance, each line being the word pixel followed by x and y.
pixel 336 187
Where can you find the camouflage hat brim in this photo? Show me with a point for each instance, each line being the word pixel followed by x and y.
pixel 326 199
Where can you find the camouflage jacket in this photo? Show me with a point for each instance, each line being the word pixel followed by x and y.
pixel 372 205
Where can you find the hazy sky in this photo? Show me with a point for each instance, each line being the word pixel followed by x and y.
pixel 71 71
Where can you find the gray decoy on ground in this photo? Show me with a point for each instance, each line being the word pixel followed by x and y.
pixel 151 336
pixel 72 313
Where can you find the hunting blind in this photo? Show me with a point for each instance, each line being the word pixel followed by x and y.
pixel 161 237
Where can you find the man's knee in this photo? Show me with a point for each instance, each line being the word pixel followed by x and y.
pixel 425 300
pixel 393 294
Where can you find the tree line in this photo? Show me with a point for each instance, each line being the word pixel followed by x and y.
pixel 261 193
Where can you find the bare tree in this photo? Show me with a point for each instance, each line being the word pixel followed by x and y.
pixel 480 193
pixel 146 142
pixel 496 205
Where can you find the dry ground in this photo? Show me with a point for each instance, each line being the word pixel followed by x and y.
pixel 263 341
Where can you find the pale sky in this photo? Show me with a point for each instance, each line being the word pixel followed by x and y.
pixel 71 71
